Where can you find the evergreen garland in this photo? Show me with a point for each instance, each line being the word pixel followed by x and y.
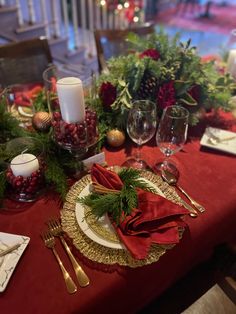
pixel 57 160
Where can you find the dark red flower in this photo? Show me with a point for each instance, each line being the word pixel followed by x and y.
pixel 166 95
pixel 151 53
pixel 107 94
pixel 195 92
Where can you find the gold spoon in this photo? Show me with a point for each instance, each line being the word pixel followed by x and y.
pixel 172 180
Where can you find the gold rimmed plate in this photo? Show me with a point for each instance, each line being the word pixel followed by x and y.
pixel 96 238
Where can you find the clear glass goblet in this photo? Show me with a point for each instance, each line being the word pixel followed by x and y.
pixel 141 127
pixel 171 135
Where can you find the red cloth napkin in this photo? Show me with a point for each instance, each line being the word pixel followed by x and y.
pixel 25 96
pixel 156 220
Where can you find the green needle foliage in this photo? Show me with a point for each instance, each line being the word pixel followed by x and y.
pixel 57 160
pixel 118 205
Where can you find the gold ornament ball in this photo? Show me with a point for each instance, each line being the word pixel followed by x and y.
pixel 115 138
pixel 41 121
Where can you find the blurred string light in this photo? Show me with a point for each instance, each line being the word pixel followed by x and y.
pixel 133 9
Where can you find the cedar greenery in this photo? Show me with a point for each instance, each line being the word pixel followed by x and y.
pixel 118 205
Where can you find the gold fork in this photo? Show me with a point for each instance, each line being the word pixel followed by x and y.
pixel 49 242
pixel 56 229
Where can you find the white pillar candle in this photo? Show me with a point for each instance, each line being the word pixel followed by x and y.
pixel 71 99
pixel 231 62
pixel 24 165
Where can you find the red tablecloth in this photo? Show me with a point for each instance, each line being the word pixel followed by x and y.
pixel 37 285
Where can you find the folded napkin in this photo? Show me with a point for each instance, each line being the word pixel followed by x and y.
pixel 25 97
pixel 156 220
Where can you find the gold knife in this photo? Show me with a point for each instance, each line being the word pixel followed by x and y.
pixel 10 249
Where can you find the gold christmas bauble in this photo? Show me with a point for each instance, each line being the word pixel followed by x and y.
pixel 115 138
pixel 41 121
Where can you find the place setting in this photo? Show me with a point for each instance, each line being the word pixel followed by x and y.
pixel 218 139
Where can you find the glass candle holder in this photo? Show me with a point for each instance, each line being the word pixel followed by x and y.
pixel 74 125
pixel 25 171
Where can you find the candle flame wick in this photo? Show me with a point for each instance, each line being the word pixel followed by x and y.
pixel 25 150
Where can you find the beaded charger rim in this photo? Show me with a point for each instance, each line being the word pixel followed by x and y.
pixel 102 254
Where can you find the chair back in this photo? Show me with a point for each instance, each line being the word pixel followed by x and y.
pixel 24 62
pixel 111 42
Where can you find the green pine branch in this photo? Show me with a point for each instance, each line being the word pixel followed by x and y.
pixel 118 205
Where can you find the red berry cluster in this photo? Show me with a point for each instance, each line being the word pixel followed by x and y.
pixel 75 134
pixel 27 186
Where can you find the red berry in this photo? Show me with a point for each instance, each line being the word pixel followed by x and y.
pixel 57 115
pixel 34 174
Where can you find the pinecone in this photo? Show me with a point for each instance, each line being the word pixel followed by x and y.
pixel 148 86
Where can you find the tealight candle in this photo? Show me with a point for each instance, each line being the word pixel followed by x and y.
pixel 231 62
pixel 24 165
pixel 71 99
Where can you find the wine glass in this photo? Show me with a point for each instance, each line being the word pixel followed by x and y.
pixel 141 127
pixel 171 135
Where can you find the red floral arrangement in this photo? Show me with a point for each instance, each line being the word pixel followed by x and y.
pixel 107 94
pixel 164 71
pixel 151 53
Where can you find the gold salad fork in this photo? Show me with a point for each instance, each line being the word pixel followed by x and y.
pixel 56 229
pixel 49 242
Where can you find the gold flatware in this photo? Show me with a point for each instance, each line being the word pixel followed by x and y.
pixel 49 242
pixel 193 213
pixel 9 249
pixel 172 180
pixel 56 229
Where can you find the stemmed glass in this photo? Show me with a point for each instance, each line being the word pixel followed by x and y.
pixel 141 127
pixel 171 135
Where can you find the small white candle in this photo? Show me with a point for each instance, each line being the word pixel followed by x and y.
pixel 231 62
pixel 24 165
pixel 71 99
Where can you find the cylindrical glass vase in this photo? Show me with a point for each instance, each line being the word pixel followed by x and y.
pixel 25 171
pixel 74 125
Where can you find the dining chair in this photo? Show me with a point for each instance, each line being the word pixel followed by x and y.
pixel 112 43
pixel 24 62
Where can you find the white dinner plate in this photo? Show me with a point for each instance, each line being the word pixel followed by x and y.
pixel 104 222
pixel 9 261
pixel 228 146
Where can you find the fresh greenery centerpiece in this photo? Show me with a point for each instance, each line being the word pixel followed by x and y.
pixel 165 71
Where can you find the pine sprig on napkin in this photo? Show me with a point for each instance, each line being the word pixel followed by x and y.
pixel 120 204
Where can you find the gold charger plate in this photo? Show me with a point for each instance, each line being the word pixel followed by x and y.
pixel 100 253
